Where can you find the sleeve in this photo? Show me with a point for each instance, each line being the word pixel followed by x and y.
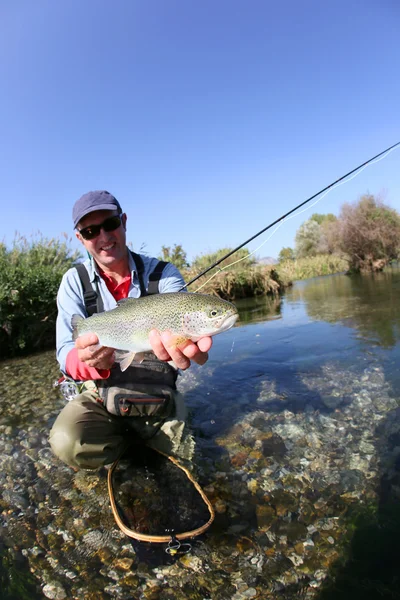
pixel 79 370
pixel 70 302
pixel 171 280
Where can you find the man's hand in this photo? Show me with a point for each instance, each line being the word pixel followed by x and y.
pixel 89 352
pixel 165 348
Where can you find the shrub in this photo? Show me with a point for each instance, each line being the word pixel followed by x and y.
pixel 369 233
pixel 30 274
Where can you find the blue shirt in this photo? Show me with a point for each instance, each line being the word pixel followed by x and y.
pixel 70 296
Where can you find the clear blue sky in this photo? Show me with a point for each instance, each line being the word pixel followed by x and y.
pixel 207 120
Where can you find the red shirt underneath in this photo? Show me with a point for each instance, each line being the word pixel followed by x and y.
pixel 76 368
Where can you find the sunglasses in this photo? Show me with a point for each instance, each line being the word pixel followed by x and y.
pixel 92 231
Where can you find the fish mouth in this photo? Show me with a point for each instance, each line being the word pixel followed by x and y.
pixel 212 327
pixel 228 322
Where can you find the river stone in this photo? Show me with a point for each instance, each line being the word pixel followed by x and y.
pixel 54 591
pixel 273 446
pixel 332 401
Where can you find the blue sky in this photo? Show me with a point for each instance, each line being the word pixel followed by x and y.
pixel 207 120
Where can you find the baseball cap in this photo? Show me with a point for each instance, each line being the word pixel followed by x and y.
pixel 99 200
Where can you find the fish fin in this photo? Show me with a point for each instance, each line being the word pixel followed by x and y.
pixel 75 320
pixel 126 358
pixel 140 356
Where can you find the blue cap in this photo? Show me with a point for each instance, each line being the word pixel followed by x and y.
pixel 100 200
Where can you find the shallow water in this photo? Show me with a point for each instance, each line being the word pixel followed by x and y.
pixel 297 430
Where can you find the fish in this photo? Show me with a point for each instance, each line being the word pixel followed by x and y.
pixel 186 315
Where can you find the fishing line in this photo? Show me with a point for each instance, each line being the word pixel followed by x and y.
pixel 296 214
pixel 344 179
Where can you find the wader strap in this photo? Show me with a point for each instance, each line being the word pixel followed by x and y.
pixel 91 297
pixel 155 277
pixel 140 268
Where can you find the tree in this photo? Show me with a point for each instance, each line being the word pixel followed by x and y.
pixel 328 243
pixel 286 254
pixel 176 256
pixel 238 260
pixel 329 218
pixel 369 233
pixel 308 238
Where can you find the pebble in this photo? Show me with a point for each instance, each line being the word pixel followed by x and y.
pixel 55 591
pixel 270 482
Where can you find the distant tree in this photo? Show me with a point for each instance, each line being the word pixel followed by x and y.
pixel 286 254
pixel 307 239
pixel 318 235
pixel 328 243
pixel 175 255
pixel 238 260
pixel 369 233
pixel 323 218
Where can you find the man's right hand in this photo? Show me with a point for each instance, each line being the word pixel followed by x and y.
pixel 94 355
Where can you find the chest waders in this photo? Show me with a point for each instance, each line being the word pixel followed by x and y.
pixel 145 390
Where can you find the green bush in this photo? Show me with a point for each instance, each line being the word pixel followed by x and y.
pixel 30 274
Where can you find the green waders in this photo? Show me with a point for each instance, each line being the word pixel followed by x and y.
pixel 86 435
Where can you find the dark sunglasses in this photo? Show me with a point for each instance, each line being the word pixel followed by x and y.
pixel 92 231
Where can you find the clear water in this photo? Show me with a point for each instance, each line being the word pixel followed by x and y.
pixel 282 368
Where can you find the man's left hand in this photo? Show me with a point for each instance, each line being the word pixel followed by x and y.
pixel 165 348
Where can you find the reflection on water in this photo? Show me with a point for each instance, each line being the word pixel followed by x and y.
pixel 260 308
pixel 370 304
pixel 297 425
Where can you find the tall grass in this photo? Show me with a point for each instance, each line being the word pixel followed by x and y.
pixel 305 268
pixel 232 284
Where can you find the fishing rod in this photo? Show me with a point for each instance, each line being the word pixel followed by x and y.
pixel 216 263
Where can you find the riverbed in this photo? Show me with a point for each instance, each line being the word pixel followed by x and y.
pixel 297 428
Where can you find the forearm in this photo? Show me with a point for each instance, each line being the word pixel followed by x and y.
pixel 80 371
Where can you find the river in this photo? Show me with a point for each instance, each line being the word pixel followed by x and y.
pixel 297 426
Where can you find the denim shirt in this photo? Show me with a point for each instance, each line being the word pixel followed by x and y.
pixel 70 296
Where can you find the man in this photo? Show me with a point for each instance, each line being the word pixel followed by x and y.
pixel 115 408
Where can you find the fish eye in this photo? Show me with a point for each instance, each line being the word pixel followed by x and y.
pixel 214 312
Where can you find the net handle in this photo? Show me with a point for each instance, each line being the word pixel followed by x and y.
pixel 158 539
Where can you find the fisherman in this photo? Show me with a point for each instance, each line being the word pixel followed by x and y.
pixel 110 408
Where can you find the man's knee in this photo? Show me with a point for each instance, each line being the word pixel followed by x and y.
pixel 63 446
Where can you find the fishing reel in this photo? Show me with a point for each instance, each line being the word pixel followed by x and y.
pixel 68 387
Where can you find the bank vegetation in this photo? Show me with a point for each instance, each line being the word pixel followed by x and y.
pixel 364 237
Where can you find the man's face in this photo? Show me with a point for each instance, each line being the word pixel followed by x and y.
pixel 109 247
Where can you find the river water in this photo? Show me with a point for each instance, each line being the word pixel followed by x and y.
pixel 297 427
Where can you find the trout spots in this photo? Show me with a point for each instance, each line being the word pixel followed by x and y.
pixel 179 340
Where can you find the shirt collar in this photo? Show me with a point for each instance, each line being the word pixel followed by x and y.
pixel 93 269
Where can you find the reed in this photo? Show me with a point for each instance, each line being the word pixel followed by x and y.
pixel 232 284
pixel 315 266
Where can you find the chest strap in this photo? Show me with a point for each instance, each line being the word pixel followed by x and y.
pixel 92 298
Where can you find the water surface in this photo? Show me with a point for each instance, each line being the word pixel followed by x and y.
pixel 297 430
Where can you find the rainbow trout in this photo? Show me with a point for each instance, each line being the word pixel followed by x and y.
pixel 188 316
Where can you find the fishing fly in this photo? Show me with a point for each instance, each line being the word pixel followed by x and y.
pixel 290 214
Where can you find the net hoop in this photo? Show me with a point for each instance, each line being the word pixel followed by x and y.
pixel 158 539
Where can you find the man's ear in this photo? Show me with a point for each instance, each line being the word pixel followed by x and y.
pixel 124 219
